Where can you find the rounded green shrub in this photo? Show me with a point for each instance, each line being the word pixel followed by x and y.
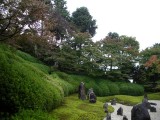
pixel 23 86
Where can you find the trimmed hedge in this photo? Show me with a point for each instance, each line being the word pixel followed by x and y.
pixel 131 89
pixel 103 87
pixel 105 91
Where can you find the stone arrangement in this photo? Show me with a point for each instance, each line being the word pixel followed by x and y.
pixel 138 112
pixel 90 94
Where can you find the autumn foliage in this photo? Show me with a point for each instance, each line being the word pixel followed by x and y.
pixel 153 59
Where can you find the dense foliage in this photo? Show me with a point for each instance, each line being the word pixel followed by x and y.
pixel 46 30
pixel 63 42
pixel 149 70
pixel 27 84
pixel 83 20
pixel 24 85
pixel 103 87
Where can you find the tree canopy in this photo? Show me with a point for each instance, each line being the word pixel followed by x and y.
pixel 47 30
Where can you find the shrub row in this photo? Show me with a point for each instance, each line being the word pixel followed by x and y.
pixel 104 87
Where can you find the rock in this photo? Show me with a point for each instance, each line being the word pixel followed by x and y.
pixel 89 91
pixel 92 97
pixel 105 106
pixel 153 109
pixel 140 111
pixel 108 116
pixel 125 117
pixel 113 102
pixel 120 111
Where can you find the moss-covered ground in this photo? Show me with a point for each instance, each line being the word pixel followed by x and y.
pixel 76 109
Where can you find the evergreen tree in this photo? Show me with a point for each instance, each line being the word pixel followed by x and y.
pixel 83 20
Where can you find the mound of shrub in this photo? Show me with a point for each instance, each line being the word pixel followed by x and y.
pixel 23 85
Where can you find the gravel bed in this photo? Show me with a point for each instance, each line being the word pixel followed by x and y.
pixel 127 111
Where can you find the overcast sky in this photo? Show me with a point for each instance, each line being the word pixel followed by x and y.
pixel 136 18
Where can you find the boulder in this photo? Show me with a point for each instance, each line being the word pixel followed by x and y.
pixel 140 111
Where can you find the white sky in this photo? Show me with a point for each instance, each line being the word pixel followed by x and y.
pixel 136 18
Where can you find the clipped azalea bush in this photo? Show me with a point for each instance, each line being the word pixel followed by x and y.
pixel 131 89
pixel 24 86
pixel 114 88
pixel 123 89
pixel 67 87
pixel 103 87
pixel 105 91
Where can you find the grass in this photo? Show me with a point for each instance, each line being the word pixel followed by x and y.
pixel 76 109
pixel 26 114
pixel 130 100
pixel 125 99
pixel 154 96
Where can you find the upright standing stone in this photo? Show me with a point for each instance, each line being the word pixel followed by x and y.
pixel 105 106
pixel 81 91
